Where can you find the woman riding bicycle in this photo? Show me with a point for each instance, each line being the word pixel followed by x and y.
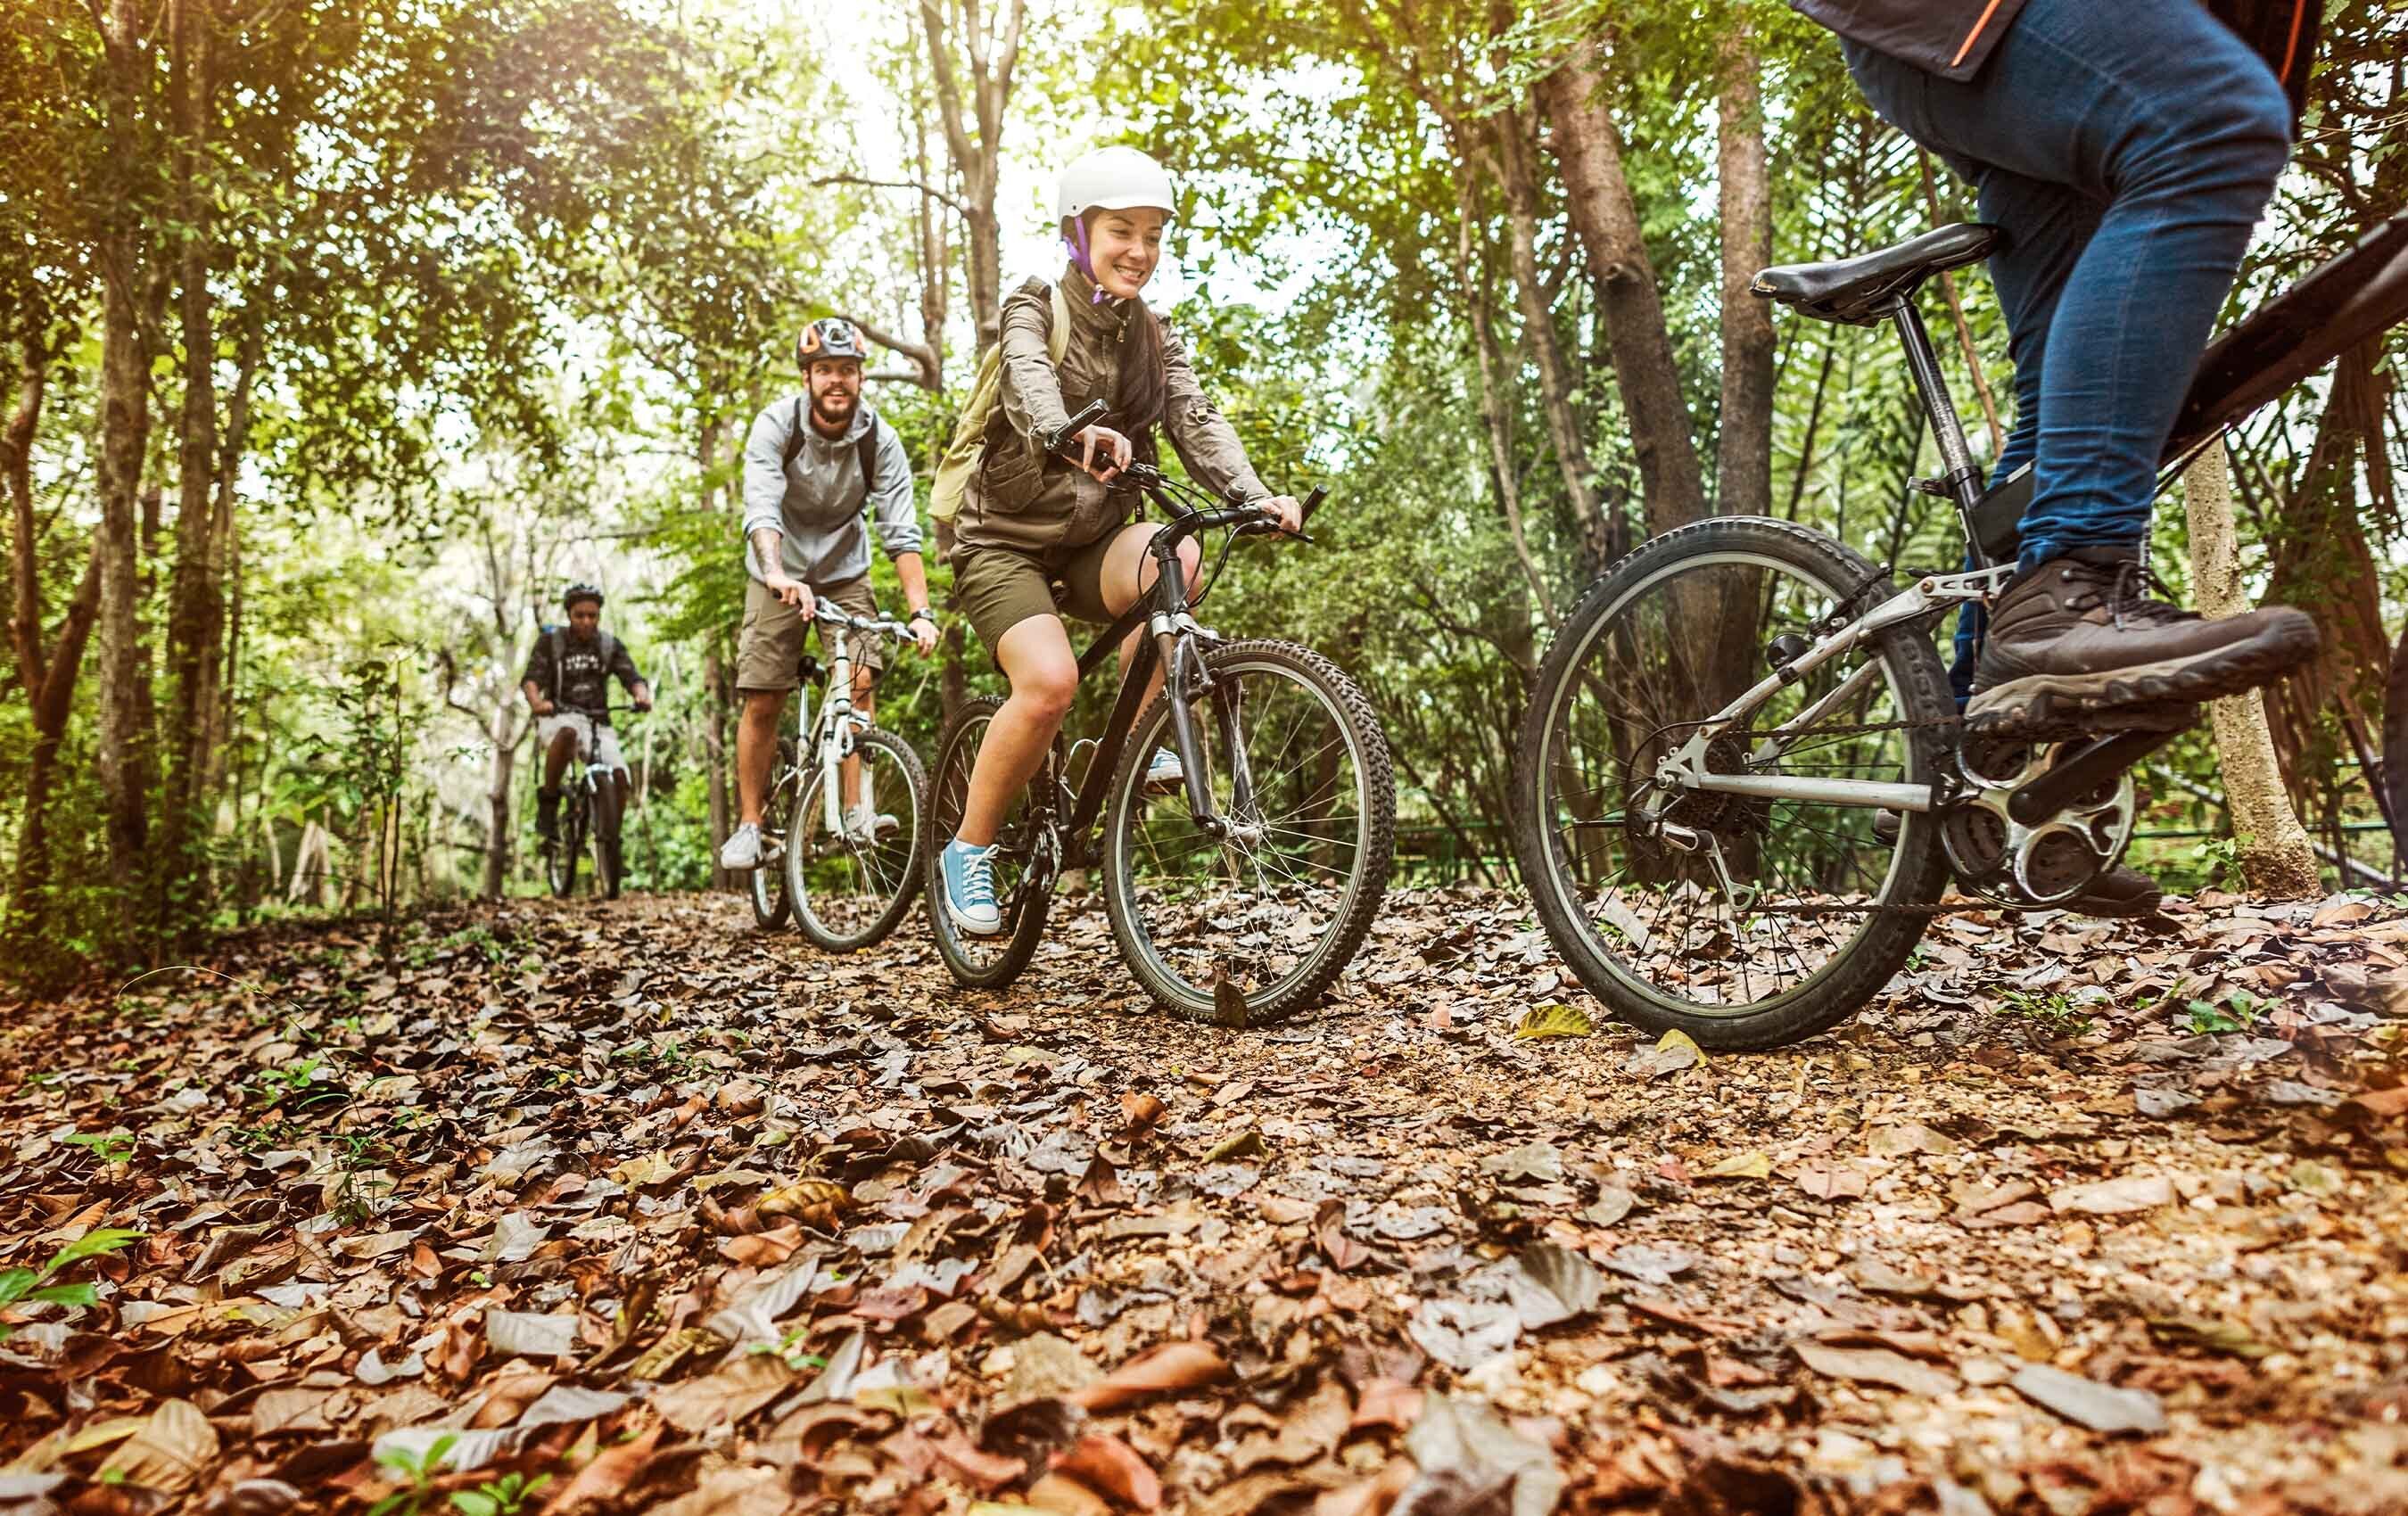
pixel 1031 519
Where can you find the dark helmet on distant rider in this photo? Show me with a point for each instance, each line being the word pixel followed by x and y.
pixel 581 590
pixel 830 336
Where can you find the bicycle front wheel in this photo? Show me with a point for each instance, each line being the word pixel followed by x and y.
pixel 1247 927
pixel 568 846
pixel 605 839
pixel 1024 865
pixel 1745 921
pixel 766 884
pixel 850 885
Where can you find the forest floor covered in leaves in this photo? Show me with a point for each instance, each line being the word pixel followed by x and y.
pixel 627 1208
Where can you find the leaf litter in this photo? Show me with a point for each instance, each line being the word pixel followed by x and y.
pixel 633 1201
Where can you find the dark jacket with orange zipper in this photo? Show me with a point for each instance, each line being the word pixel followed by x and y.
pixel 1953 39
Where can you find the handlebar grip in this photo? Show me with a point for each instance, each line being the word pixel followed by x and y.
pixel 1080 422
pixel 1313 503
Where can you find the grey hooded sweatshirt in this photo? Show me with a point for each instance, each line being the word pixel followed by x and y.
pixel 816 503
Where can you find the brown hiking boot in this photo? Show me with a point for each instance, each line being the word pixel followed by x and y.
pixel 2077 646
pixel 2122 890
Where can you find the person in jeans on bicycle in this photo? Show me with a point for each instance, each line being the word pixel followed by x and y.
pixel 567 686
pixel 2126 151
pixel 814 463
pixel 1039 535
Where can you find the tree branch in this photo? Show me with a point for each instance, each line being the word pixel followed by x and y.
pixel 922 356
pixel 948 90
pixel 931 190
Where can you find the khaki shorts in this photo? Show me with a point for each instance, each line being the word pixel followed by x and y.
pixel 595 744
pixel 999 588
pixel 770 650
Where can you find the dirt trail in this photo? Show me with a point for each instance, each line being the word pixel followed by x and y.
pixel 2082 1218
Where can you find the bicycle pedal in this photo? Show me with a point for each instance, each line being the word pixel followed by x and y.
pixel 2047 720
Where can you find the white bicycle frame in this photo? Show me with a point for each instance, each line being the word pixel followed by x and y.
pixel 1684 767
pixel 839 723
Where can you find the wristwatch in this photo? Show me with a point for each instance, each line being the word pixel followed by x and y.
pixel 924 613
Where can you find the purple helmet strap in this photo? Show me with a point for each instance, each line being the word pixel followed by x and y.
pixel 1076 240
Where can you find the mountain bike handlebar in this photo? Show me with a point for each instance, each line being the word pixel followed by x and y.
pixel 1247 518
pixel 883 625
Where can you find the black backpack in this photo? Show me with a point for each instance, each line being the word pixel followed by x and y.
pixel 866 450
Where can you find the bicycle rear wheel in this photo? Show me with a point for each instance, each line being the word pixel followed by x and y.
pixel 767 884
pixel 1745 921
pixel 1024 863
pixel 849 889
pixel 1248 928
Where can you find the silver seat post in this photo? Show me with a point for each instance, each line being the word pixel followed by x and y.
pixel 1962 482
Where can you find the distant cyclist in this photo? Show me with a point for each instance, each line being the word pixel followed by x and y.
pixel 568 685
pixel 813 463
pixel 2126 151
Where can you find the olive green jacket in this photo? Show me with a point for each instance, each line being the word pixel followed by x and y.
pixel 1021 498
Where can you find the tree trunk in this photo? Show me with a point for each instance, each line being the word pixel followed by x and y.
pixel 1597 193
pixel 1492 415
pixel 121 754
pixel 48 674
pixel 935 260
pixel 1556 379
pixel 503 732
pixel 1743 452
pixel 2275 855
pixel 196 596
pixel 217 710
pixel 2322 562
pixel 2395 753
pixel 987 90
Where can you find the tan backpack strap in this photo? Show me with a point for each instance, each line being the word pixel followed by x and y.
pixel 1059 343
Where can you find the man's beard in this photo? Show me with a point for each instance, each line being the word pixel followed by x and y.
pixel 830 423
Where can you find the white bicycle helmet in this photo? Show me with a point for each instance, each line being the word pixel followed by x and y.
pixel 1114 179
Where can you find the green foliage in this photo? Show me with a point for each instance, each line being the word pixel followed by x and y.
pixel 419 1470
pixel 503 1496
pixel 2237 1011
pixel 111 1148
pixel 2055 1010
pixel 32 1285
pixel 504 283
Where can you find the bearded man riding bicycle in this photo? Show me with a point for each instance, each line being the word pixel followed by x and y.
pixel 814 463
pixel 567 686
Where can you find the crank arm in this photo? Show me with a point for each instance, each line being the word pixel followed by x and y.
pixel 2094 763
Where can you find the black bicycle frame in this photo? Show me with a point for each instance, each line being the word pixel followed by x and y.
pixel 1162 609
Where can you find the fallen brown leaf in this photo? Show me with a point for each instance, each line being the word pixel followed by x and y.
pixel 1173 1366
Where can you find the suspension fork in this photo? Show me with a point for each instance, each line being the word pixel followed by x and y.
pixel 1178 654
pixel 836 714
pixel 1171 628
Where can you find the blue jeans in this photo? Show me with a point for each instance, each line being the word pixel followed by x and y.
pixel 2127 149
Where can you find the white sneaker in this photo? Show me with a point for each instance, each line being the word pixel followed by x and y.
pixel 741 853
pixel 868 830
pixel 1166 772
